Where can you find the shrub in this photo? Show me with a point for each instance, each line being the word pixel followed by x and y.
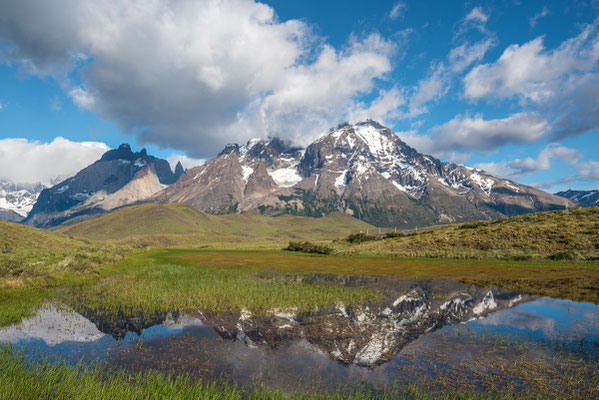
pixel 360 238
pixel 394 234
pixel 308 247
pixel 472 225
pixel 563 255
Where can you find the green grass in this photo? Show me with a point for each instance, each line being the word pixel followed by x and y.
pixel 180 225
pixel 34 264
pixel 554 235
pixel 157 282
pixel 23 379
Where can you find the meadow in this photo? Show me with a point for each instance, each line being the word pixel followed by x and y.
pixel 184 264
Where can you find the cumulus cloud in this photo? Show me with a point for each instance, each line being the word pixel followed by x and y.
pixel 517 168
pixel 561 82
pixel 193 75
pixel 185 161
pixel 398 10
pixel 24 161
pixel 475 133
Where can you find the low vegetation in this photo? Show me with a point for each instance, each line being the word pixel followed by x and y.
pixel 178 225
pixel 554 235
pixel 309 247
pixel 24 379
pixel 157 282
pixel 34 263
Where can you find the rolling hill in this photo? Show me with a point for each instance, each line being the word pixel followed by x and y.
pixel 554 235
pixel 172 224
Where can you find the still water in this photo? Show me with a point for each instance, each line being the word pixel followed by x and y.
pixel 438 331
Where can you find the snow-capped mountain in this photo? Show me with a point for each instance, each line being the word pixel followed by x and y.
pixel 16 200
pixel 119 177
pixel 364 170
pixel 586 197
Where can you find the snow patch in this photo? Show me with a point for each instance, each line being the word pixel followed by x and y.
pixel 247 172
pixel 285 177
pixel 340 180
pixel 485 184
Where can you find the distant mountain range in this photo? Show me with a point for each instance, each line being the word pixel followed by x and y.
pixel 585 197
pixel 16 200
pixel 364 170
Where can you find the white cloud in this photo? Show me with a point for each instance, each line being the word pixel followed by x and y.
pixel 475 19
pixel 465 55
pixel 439 80
pixel 185 161
pixel 24 161
pixel 590 170
pixel 541 14
pixel 517 168
pixel 398 10
pixel 561 83
pixel 477 14
pixel 386 107
pixel 214 72
pixel 533 73
pixel 2 106
pixel 476 133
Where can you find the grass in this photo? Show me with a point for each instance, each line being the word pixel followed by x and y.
pixel 24 379
pixel 35 263
pixel 167 225
pixel 157 282
pixel 570 280
pixel 554 235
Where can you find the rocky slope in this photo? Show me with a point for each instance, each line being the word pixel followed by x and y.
pixel 16 200
pixel 120 177
pixel 588 198
pixel 364 170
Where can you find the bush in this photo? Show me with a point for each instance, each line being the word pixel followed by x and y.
pixel 563 255
pixel 360 238
pixel 308 247
pixel 394 234
pixel 472 225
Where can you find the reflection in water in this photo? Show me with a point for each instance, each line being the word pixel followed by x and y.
pixel 380 343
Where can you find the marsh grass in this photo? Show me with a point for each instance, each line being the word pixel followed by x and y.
pixel 23 378
pixel 154 282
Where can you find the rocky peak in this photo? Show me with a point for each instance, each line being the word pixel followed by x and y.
pixel 115 169
pixel 179 170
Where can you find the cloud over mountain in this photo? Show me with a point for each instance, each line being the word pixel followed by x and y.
pixel 191 75
pixel 24 161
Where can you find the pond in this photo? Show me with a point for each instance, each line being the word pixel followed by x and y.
pixel 437 332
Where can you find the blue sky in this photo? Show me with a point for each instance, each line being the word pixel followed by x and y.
pixel 508 86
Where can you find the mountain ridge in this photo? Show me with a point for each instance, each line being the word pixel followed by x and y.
pixel 364 170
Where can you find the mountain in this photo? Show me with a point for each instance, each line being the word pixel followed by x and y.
pixel 586 197
pixel 178 224
pixel 364 170
pixel 16 200
pixel 119 177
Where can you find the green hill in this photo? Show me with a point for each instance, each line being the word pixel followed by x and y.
pixel 554 235
pixel 178 224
